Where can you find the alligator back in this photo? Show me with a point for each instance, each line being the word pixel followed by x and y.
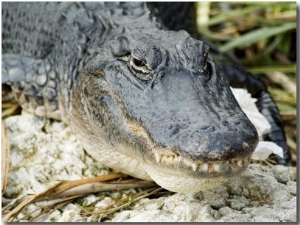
pixel 44 43
pixel 35 30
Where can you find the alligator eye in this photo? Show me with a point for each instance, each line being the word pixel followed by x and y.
pixel 138 65
pixel 137 62
pixel 208 71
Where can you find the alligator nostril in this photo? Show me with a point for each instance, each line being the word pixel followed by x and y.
pixel 174 129
pixel 225 123
pixel 204 127
pixel 237 123
pixel 161 74
pixel 229 126
pixel 208 128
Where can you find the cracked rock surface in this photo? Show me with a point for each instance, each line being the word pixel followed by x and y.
pixel 43 152
pixel 256 196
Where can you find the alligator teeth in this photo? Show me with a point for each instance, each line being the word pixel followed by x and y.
pixel 158 157
pixel 204 167
pixel 210 168
pixel 216 167
pixel 239 163
pixel 166 158
pixel 224 167
pixel 194 166
pixel 213 167
pixel 233 164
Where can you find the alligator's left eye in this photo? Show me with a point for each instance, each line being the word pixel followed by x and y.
pixel 139 65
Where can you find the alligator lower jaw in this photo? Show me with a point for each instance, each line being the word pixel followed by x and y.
pixel 178 174
pixel 182 184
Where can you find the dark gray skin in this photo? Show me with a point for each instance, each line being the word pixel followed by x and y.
pixel 125 83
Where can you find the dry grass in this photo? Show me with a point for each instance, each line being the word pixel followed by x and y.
pixel 65 192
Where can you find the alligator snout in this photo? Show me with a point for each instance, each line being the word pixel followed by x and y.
pixel 185 136
pixel 201 120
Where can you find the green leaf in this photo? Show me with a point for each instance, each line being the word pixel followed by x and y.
pixel 268 69
pixel 256 35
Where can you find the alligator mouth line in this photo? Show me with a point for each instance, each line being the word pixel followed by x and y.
pixel 205 167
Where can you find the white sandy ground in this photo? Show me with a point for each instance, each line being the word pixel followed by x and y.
pixel 44 152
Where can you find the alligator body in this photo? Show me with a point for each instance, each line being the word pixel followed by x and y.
pixel 142 99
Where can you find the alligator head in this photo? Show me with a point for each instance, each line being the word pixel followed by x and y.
pixel 159 97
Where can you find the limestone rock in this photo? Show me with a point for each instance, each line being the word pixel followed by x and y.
pixel 43 152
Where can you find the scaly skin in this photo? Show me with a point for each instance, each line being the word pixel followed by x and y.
pixel 145 101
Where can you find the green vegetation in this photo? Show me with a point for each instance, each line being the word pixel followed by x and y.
pixel 263 36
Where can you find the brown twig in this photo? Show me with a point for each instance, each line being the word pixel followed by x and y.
pixel 5 158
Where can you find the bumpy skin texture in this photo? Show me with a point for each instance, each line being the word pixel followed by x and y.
pixel 125 84
pixel 238 77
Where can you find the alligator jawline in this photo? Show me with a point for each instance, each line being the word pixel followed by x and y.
pixel 212 167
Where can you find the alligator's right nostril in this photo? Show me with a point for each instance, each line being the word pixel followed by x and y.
pixel 229 126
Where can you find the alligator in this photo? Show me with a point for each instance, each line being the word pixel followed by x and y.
pixel 143 95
